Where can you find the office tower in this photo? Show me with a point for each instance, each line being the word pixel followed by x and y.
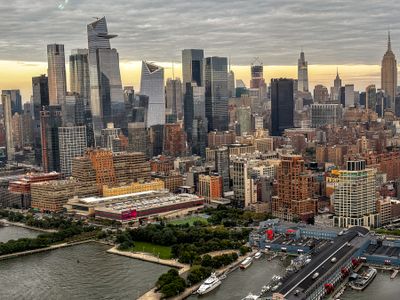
pixel 389 74
pixel 325 114
pixel 354 197
pixel 16 100
pixel 221 160
pixel 174 99
pixel 17 130
pixel 27 125
pixel 88 121
pixel 335 90
pixel 108 135
pixel 50 120
pixel 231 84
pixel 321 94
pixel 79 74
pixel 295 188
pixel 216 85
pixel 6 102
pixel 174 140
pixel 72 143
pixel 192 67
pixel 40 98
pixel 302 73
pixel 370 93
pixel 152 85
pixel 349 99
pixel 106 95
pixel 56 73
pixel 138 138
pixel 243 117
pixel 282 105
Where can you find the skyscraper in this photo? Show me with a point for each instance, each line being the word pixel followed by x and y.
pixel 79 74
pixel 192 67
pixel 335 90
pixel 282 105
pixel 40 99
pixel 257 76
pixel 72 143
pixel 349 99
pixel 50 121
pixel 321 94
pixel 302 73
pixel 152 85
pixel 231 84
pixel 16 100
pixel 354 196
pixel 6 102
pixel 106 94
pixel 173 91
pixel 216 85
pixel 222 166
pixel 56 73
pixel 389 75
pixel 370 93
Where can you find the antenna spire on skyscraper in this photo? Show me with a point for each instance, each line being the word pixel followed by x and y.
pixel 389 42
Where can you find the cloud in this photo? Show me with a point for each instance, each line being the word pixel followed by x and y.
pixel 330 32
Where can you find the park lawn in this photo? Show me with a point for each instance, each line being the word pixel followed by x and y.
pixel 164 251
pixel 189 220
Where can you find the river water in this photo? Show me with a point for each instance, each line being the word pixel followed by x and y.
pixel 58 274
pixel 14 233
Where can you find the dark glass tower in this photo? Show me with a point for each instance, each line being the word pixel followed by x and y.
pixel 282 105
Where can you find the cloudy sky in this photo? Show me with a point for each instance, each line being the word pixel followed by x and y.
pixel 351 34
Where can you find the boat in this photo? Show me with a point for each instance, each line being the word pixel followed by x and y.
pixel 246 263
pixel 251 296
pixel 209 284
pixel 364 279
pixel 258 255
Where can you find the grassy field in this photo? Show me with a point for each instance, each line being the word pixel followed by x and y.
pixel 164 251
pixel 189 220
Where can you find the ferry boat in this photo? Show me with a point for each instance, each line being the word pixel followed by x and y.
pixel 258 255
pixel 363 280
pixel 251 296
pixel 209 284
pixel 246 263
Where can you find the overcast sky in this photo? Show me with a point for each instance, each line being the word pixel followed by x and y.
pixel 331 32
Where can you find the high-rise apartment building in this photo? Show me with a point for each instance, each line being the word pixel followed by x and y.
pixel 72 143
pixel 50 121
pixel 56 73
pixel 231 84
pixel 389 75
pixel 16 100
pixel 302 73
pixel 216 90
pixel 210 187
pixel 152 85
pixel 79 74
pixel 370 97
pixel 106 96
pixel 174 140
pixel 282 105
pixel 192 67
pixel 244 188
pixel 138 137
pixel 294 199
pixel 221 160
pixel 174 98
pixel 6 102
pixel 17 129
pixel 349 99
pixel 243 117
pixel 355 197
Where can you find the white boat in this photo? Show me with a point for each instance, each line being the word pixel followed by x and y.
pixel 258 255
pixel 251 296
pixel 363 280
pixel 246 263
pixel 209 284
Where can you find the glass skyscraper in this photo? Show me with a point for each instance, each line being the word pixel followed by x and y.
pixel 106 94
pixel 152 85
pixel 282 105
pixel 56 73
pixel 192 67
pixel 216 90
pixel 79 74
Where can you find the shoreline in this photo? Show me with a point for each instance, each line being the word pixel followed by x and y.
pixel 22 225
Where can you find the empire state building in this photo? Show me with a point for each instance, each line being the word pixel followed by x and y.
pixel 389 74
